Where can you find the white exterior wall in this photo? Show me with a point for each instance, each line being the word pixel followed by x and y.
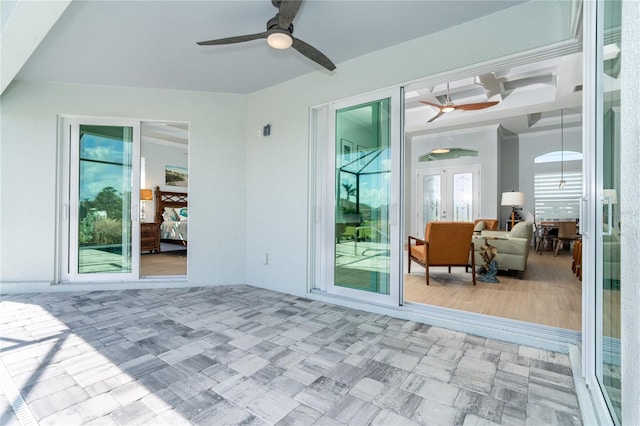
pixel 630 298
pixel 28 174
pixel 277 166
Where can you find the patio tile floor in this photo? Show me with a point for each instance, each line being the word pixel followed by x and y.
pixel 242 355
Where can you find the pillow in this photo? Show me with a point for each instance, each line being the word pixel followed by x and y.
pixel 169 214
pixel 521 230
pixel 182 212
pixel 479 226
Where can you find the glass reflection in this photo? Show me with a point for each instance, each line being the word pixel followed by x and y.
pixel 363 169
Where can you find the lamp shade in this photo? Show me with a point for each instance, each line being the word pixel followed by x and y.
pixel 146 195
pixel 512 199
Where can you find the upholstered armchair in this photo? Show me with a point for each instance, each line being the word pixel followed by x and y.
pixel 513 246
pixel 485 225
pixel 445 244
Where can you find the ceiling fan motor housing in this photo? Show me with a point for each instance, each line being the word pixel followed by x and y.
pixel 273 23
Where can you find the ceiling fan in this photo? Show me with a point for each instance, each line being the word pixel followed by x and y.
pixel 450 106
pixel 279 34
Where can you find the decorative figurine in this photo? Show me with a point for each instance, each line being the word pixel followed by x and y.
pixel 489 269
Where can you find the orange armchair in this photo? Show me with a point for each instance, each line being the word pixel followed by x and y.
pixel 445 244
pixel 489 224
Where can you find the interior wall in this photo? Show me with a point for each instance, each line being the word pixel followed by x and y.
pixel 217 170
pixel 538 143
pixel 156 157
pixel 278 165
pixel 483 140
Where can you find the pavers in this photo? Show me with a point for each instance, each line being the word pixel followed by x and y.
pixel 243 355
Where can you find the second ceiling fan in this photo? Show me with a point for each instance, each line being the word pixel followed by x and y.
pixel 450 106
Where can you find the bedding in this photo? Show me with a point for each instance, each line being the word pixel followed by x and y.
pixel 174 230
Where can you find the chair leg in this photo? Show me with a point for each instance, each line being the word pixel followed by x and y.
pixel 473 265
pixel 427 273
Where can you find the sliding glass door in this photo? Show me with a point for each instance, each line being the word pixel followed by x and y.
pixel 99 201
pixel 609 229
pixel 358 197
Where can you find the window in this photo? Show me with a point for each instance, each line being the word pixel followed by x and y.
pixel 551 202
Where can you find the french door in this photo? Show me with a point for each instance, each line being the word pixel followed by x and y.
pixel 447 194
pixel 358 248
pixel 100 212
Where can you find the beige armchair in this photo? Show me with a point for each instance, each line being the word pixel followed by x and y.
pixel 513 246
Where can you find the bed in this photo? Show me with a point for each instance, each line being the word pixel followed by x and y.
pixel 172 214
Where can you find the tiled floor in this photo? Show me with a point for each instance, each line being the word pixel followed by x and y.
pixel 241 355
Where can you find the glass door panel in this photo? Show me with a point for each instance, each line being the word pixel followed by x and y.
pixel 366 241
pixel 363 197
pixel 104 231
pixel 463 196
pixel 432 198
pixel 608 366
pixel 103 224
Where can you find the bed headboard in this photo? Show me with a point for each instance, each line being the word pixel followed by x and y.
pixel 168 199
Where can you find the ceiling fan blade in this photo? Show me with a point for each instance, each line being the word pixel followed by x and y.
pixel 479 105
pixel 313 54
pixel 236 39
pixel 436 116
pixel 431 104
pixel 288 11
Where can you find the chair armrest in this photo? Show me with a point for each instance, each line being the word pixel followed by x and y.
pixel 419 242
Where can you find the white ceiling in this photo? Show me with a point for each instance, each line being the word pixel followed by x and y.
pixel 151 44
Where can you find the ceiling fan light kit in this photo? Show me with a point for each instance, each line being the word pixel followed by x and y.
pixel 279 40
pixel 440 150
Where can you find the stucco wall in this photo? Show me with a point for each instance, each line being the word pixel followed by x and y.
pixel 277 166
pixel 630 213
pixel 28 174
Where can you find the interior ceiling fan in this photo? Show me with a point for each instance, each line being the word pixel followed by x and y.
pixel 279 34
pixel 450 106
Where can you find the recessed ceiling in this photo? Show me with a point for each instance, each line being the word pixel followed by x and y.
pixel 530 98
pixel 151 44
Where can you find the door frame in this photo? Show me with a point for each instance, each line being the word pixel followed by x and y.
pixel 322 195
pixel 67 246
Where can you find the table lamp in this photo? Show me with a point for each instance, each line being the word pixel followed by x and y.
pixel 145 195
pixel 512 199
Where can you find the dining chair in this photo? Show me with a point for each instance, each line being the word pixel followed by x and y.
pixel 566 233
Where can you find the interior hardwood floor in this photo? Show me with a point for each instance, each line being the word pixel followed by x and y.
pixel 549 293
pixel 163 263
